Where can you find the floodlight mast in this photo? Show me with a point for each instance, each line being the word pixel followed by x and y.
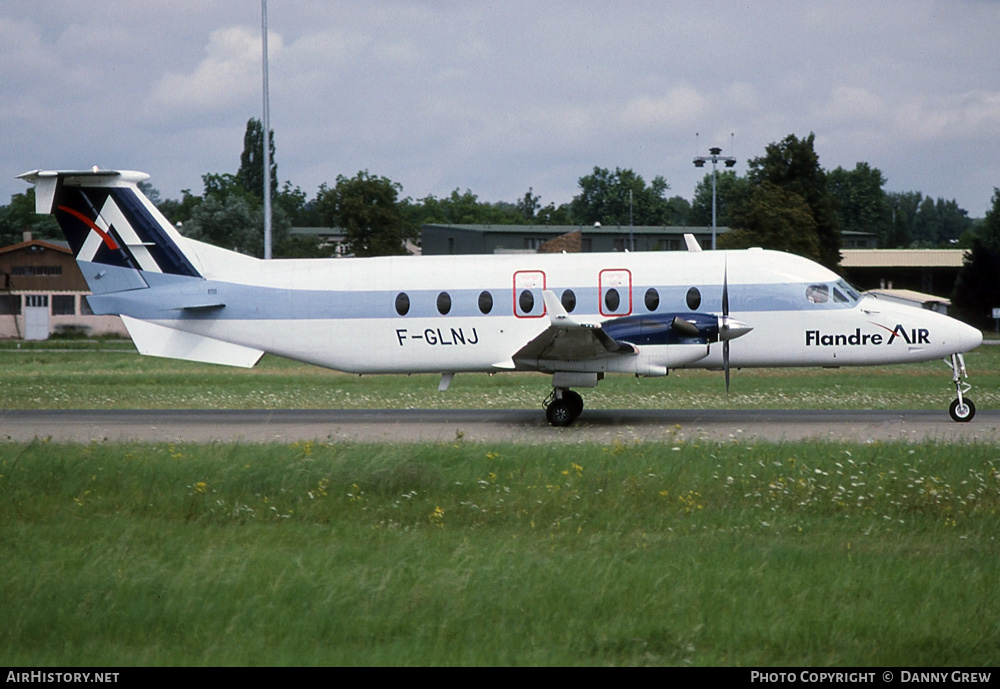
pixel 266 124
pixel 714 158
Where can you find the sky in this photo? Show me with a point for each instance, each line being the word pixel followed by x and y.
pixel 500 97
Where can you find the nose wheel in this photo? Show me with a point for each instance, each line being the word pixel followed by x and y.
pixel 962 409
pixel 562 406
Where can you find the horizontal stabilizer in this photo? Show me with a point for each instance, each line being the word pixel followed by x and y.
pixel 158 340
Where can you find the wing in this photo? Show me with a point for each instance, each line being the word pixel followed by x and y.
pixel 567 340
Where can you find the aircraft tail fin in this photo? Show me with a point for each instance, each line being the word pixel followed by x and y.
pixel 111 227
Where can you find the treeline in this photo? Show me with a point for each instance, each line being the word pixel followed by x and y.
pixel 786 201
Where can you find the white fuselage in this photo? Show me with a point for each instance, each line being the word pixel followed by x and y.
pixel 472 313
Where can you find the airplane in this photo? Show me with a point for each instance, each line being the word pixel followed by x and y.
pixel 576 317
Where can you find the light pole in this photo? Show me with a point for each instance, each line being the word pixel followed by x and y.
pixel 266 124
pixel 714 158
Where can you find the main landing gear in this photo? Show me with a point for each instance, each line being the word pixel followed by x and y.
pixel 562 406
pixel 962 409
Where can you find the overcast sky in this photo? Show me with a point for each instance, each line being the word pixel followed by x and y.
pixel 497 97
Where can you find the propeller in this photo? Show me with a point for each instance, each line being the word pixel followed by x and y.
pixel 724 325
pixel 729 328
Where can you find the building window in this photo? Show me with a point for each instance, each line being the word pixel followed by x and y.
pixel 444 303
pixel 36 300
pixel 36 270
pixel 63 305
pixel 485 302
pixel 402 304
pixel 85 309
pixel 10 304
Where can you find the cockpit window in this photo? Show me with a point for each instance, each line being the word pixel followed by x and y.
pixel 851 293
pixel 818 294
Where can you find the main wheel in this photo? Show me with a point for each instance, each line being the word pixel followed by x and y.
pixel 962 412
pixel 574 401
pixel 559 413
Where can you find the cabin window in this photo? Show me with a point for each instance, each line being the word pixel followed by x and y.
pixel 402 304
pixel 612 300
pixel 568 300
pixel 818 294
pixel 652 299
pixel 485 302
pixel 444 303
pixel 526 301
pixel 693 299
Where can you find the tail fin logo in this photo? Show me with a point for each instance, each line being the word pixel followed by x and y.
pixel 105 237
pixel 114 226
pixel 111 219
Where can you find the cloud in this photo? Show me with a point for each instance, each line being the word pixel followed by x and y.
pixel 229 75
pixel 681 105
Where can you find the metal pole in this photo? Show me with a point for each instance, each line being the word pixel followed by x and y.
pixel 267 138
pixel 713 202
pixel 631 238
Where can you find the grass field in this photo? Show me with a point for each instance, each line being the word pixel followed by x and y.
pixel 760 554
pixel 111 375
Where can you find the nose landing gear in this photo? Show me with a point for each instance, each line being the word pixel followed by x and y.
pixel 961 409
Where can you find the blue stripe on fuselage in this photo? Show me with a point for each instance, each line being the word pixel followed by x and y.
pixel 170 294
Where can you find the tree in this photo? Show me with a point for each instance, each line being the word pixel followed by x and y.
pixel 903 206
pixel 730 189
pixel 977 290
pixel 19 217
pixel 989 229
pixel 939 223
pixel 179 211
pixel 794 166
pixel 366 208
pixel 528 206
pixel 863 205
pixel 251 172
pixel 604 198
pixel 230 216
pixel 773 218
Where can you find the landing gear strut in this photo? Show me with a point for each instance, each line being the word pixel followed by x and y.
pixel 962 409
pixel 562 406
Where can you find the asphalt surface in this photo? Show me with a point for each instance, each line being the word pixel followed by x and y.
pixel 526 426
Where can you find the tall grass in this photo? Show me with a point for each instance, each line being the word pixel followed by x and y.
pixel 701 554
pixel 107 376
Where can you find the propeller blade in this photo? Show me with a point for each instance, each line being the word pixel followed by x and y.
pixel 724 330
pixel 725 362
pixel 725 289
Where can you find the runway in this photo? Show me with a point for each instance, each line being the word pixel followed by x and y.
pixel 521 426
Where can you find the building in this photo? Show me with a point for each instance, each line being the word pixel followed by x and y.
pixel 930 271
pixel 42 292
pixel 443 240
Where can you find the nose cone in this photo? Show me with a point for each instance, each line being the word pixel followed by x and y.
pixel 969 337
